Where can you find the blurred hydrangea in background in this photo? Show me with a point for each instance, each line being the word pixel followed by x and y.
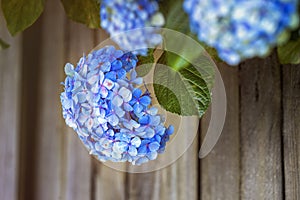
pixel 241 29
pixel 111 115
pixel 119 16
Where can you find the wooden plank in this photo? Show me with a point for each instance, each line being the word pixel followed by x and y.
pixel 79 40
pixel 220 173
pixel 179 180
pixel 105 178
pixel 109 183
pixel 31 57
pixel 291 130
pixel 261 168
pixel 10 75
pixel 49 123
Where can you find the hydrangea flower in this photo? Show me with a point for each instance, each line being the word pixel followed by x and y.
pixel 241 29
pixel 112 116
pixel 118 16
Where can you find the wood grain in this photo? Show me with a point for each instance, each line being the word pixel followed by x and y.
pixel 110 184
pixel 257 156
pixel 291 130
pixel 79 40
pixel 261 164
pixel 104 177
pixel 50 123
pixel 219 171
pixel 10 80
pixel 29 137
pixel 179 180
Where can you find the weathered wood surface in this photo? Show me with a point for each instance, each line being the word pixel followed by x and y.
pixel 29 112
pixel 256 157
pixel 49 123
pixel 177 181
pixel 261 161
pixel 220 170
pixel 10 83
pixel 80 40
pixel 291 130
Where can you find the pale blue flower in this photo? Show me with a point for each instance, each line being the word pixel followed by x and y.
pixel 101 106
pixel 240 29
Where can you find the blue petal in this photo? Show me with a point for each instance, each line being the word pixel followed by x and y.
pixel 120 147
pixel 144 120
pixel 170 130
pixel 122 137
pixel 149 132
pixel 127 107
pixel 138 108
pixel 111 75
pixel 137 93
pixel 81 97
pixel 145 100
pixel 157 138
pixel 132 151
pixel 136 141
pixel 141 161
pixel 153 146
pixel 155 120
pixel 115 65
pixel 142 150
pixel 113 120
pixel 121 73
pixel 152 155
pixel 105 67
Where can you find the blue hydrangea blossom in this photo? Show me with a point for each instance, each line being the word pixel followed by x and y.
pixel 112 116
pixel 118 16
pixel 241 29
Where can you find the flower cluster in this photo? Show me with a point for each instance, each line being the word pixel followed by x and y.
pixel 241 29
pixel 118 16
pixel 111 115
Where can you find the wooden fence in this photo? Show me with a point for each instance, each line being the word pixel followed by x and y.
pixel 256 158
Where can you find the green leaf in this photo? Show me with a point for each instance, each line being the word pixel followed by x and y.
pixel 20 14
pixel 177 19
pixel 83 11
pixel 3 45
pixel 145 63
pixel 179 86
pixel 289 53
pixel 190 51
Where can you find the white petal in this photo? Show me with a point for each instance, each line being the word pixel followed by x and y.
pixel 157 19
pixel 125 94
pixel 69 69
pixel 93 79
pixel 117 101
pixel 108 83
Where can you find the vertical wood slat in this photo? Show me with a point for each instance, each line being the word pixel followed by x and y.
pixel 219 171
pixel 291 130
pixel 80 40
pixel 10 75
pixel 49 123
pixel 31 57
pixel 107 182
pixel 176 181
pixel 261 170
